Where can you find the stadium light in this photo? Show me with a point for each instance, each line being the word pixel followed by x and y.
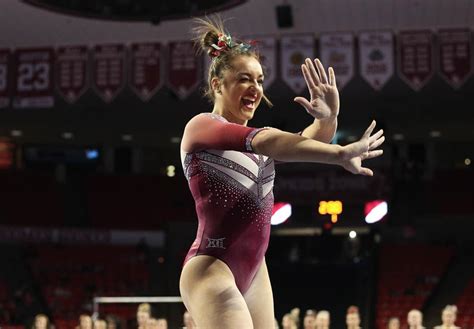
pixel 375 211
pixel 281 212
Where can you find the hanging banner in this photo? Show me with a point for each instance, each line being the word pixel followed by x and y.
pixel 415 58
pixel 337 51
pixel 455 49
pixel 294 50
pixel 145 69
pixel 108 70
pixel 5 81
pixel 33 71
pixel 266 48
pixel 184 68
pixel 376 57
pixel 72 78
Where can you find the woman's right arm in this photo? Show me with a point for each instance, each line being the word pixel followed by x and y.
pixel 288 147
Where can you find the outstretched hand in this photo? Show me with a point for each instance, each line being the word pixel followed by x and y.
pixel 324 96
pixel 363 149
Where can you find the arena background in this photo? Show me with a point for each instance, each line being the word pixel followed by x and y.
pixel 93 201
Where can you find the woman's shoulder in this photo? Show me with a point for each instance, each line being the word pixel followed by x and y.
pixel 206 116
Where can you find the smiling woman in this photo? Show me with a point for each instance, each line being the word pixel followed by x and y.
pixel 230 171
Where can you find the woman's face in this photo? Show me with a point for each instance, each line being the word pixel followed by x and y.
pixel 142 318
pixel 394 324
pixel 41 322
pixel 414 318
pixel 287 322
pixel 353 320
pixel 448 318
pixel 241 89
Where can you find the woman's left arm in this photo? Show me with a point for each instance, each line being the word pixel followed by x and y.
pixel 323 105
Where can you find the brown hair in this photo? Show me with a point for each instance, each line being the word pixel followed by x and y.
pixel 206 34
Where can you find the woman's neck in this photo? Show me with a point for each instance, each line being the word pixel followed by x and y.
pixel 228 115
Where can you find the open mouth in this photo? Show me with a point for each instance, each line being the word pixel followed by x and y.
pixel 249 103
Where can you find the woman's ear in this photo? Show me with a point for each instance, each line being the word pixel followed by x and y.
pixel 216 85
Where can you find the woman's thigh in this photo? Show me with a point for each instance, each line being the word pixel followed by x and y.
pixel 259 299
pixel 210 294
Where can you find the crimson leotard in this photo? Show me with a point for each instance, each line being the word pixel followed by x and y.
pixel 233 191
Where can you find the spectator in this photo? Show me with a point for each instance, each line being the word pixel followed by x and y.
pixel 143 315
pixel 309 321
pixel 288 322
pixel 415 319
pixel 323 320
pixel 448 317
pixel 353 318
pixel 188 321
pixel 41 322
pixel 393 323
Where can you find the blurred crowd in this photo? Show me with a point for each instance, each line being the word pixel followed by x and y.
pixel 312 319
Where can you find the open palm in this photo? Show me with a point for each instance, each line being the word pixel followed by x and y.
pixel 324 96
pixel 363 149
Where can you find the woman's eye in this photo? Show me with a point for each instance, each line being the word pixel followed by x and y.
pixel 260 82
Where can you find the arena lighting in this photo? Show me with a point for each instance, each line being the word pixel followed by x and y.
pixel 170 171
pixel 375 211
pixel 333 208
pixel 281 212
pixel 92 154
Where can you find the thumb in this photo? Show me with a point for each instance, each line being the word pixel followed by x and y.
pixel 303 102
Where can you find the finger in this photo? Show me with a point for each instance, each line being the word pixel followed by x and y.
pixel 375 136
pixel 312 70
pixel 377 143
pixel 373 154
pixel 332 77
pixel 307 77
pixel 303 102
pixel 369 130
pixel 322 72
pixel 366 171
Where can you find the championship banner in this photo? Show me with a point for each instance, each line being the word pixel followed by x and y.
pixel 337 51
pixel 5 81
pixel 415 57
pixel 108 70
pixel 455 50
pixel 33 71
pixel 376 57
pixel 72 77
pixel 294 50
pixel 183 68
pixel 145 69
pixel 266 48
